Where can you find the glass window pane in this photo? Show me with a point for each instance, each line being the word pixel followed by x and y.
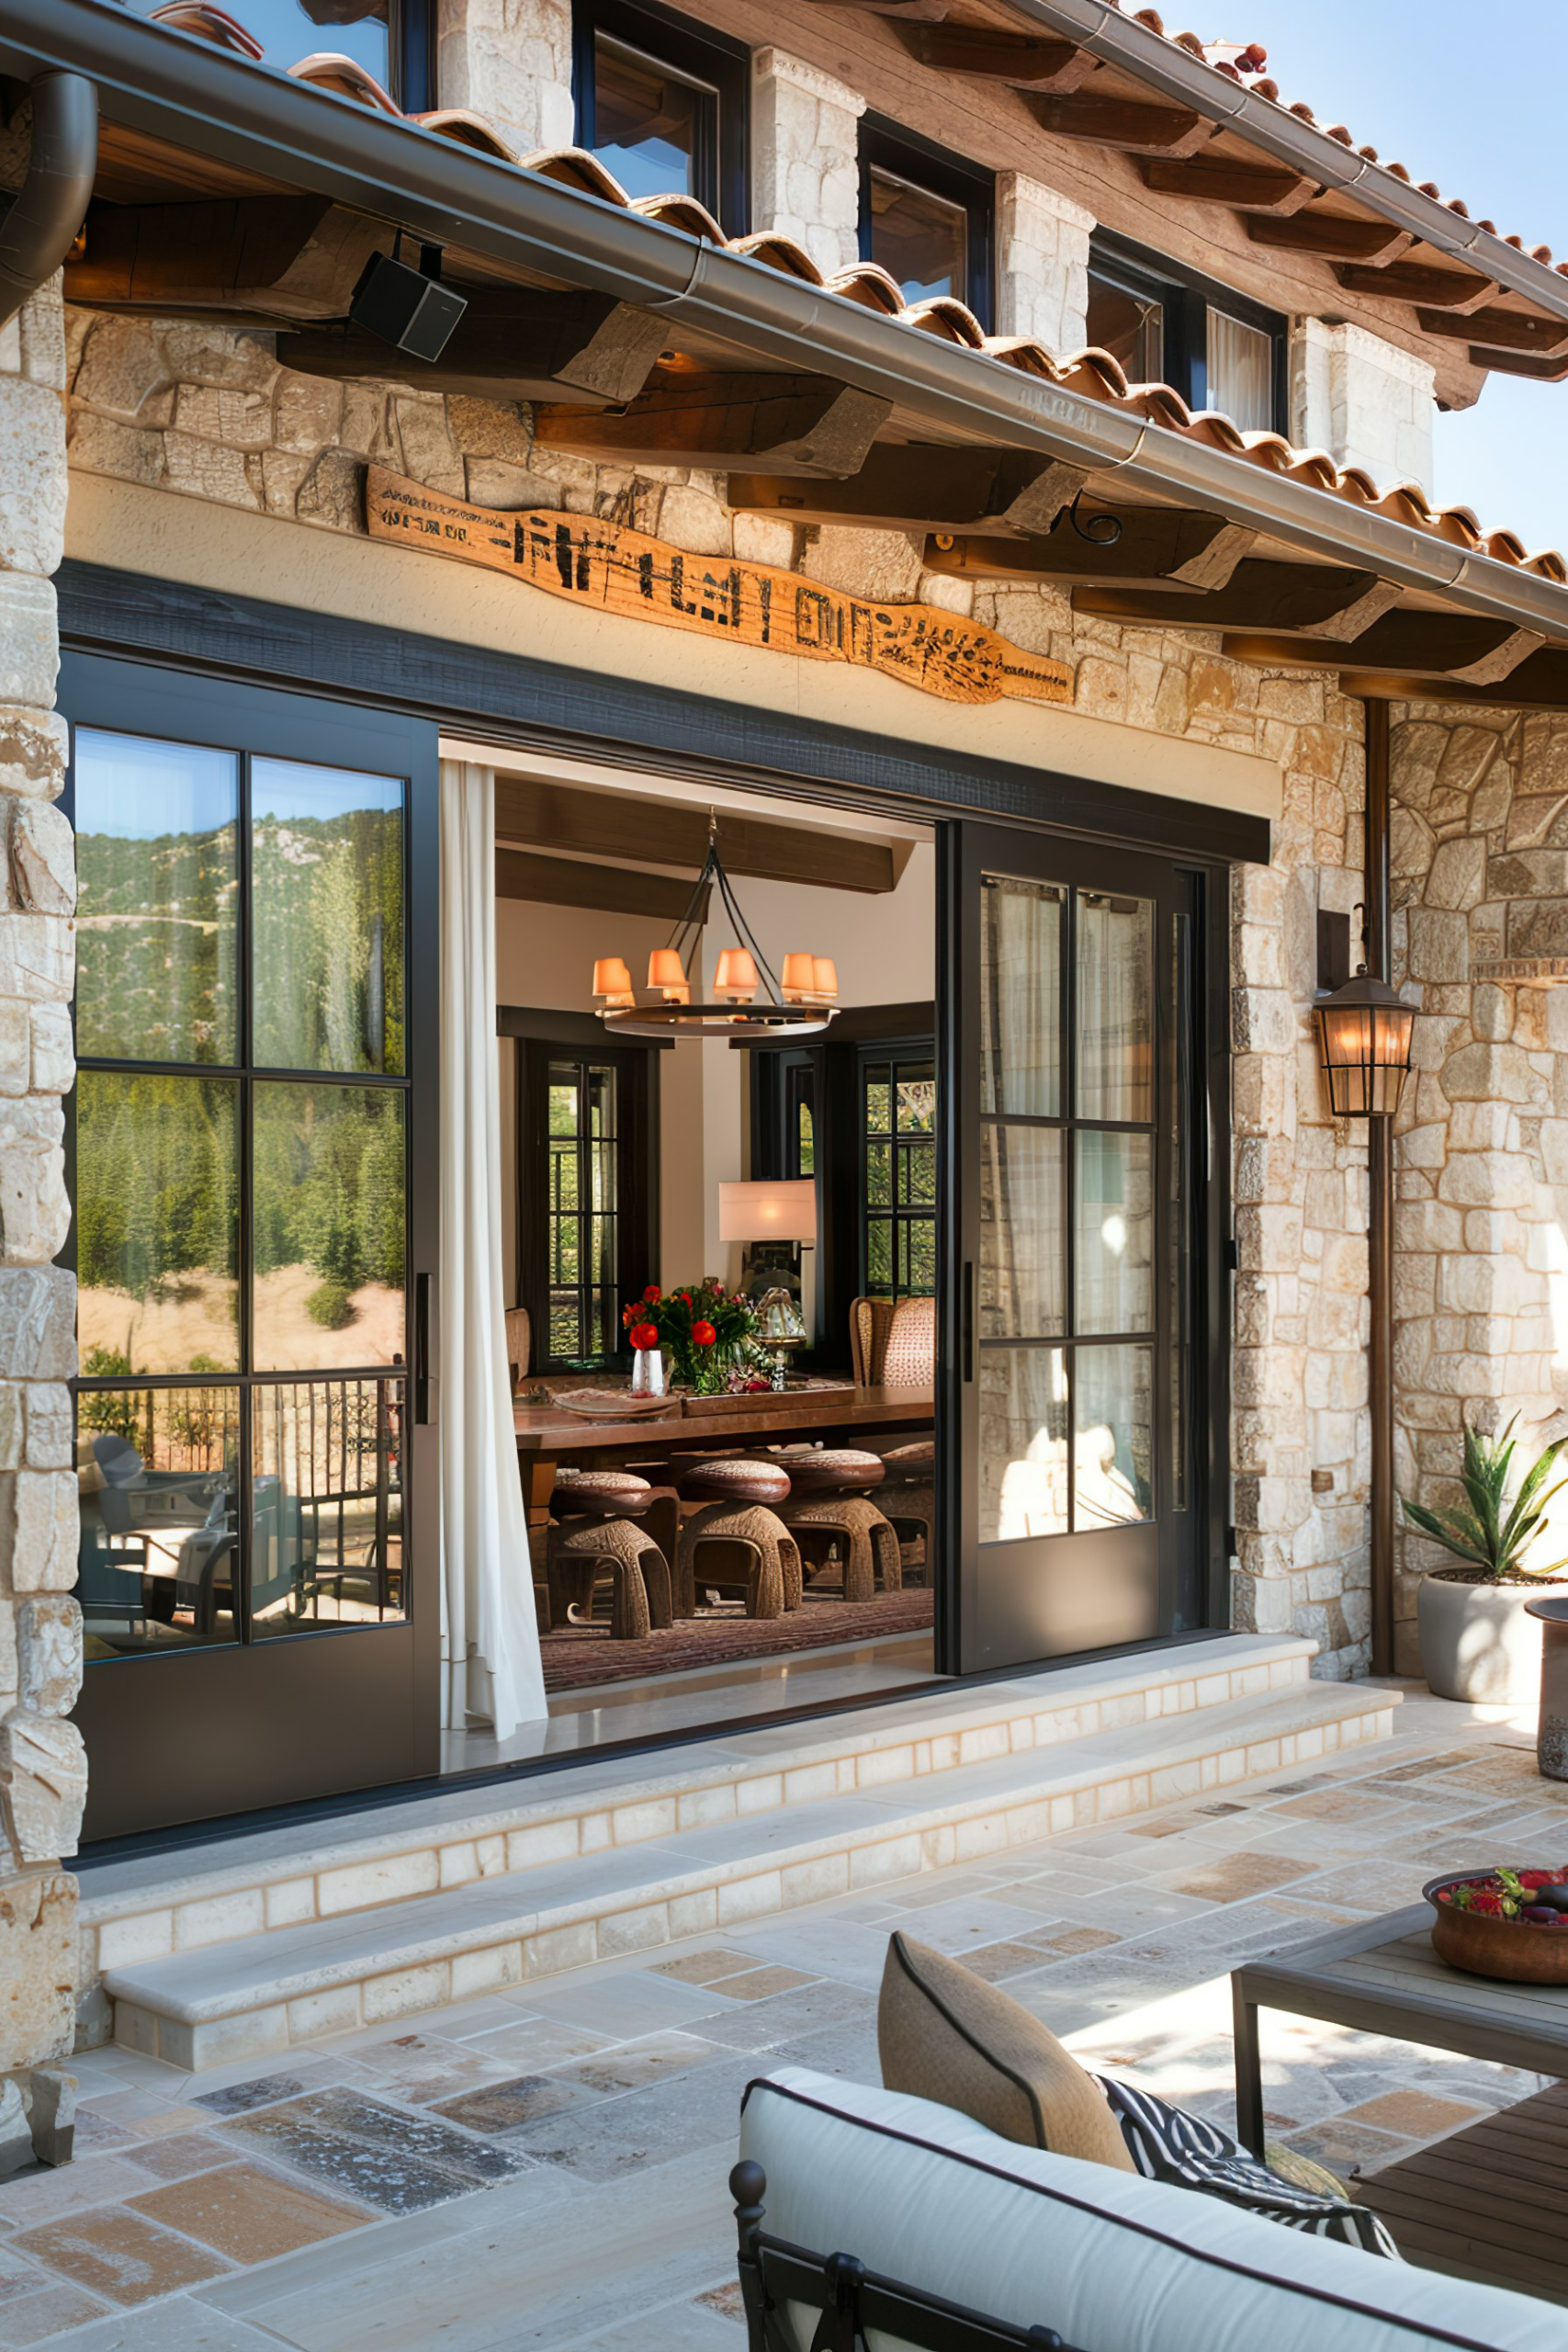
pixel 157 1223
pixel 919 239
pixel 327 902
pixel 1022 1284
pixel 330 1225
pixel 920 1270
pixel 1023 1443
pixel 1020 981
pixel 1114 1260
pixel 1115 1007
pixel 647 121
pixel 916 1099
pixel 878 1099
pixel 1113 1419
pixel 157 1478
pixel 291 29
pixel 327 1505
pixel 879 1254
pixel 157 850
pixel 1129 326
pixel 879 1183
pixel 1241 372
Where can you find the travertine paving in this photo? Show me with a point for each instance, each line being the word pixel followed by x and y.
pixel 546 2167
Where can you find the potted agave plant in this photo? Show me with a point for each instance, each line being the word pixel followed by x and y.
pixel 1478 1642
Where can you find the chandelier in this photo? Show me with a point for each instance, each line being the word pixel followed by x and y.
pixel 802 1001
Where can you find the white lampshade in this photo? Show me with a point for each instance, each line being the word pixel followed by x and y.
pixel 773 1209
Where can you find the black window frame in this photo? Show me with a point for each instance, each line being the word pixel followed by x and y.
pixel 885 146
pixel 722 164
pixel 1186 297
pixel 411 46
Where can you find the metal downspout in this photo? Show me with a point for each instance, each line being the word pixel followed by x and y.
pixel 41 224
pixel 1380 1224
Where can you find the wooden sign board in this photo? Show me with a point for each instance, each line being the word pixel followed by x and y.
pixel 606 566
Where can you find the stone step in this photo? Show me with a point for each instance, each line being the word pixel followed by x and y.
pixel 148 1906
pixel 259 1995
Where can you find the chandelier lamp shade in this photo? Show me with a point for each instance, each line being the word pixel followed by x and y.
pixel 1364 1033
pixel 747 999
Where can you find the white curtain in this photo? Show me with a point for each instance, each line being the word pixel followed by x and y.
pixel 490 1642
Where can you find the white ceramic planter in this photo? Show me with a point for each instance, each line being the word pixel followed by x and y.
pixel 1478 1642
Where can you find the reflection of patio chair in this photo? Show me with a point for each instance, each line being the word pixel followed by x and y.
pixel 107 1466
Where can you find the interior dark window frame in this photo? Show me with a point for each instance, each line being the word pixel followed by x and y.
pixel 722 164
pixel 552 1039
pixel 1186 297
pixel 885 146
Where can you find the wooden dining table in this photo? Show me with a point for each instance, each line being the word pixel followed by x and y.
pixel 546 1435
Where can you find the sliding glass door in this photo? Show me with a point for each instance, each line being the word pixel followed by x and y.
pixel 253 1176
pixel 1081 1405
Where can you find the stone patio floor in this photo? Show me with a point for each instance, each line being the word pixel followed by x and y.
pixel 547 2167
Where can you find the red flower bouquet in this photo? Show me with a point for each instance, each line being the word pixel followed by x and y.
pixel 705 1328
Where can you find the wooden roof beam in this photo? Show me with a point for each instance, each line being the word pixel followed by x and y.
pixel 516 343
pixel 1159 546
pixel 1519 363
pixel 579 882
pixel 689 416
pixel 1128 123
pixel 1458 646
pixel 1246 185
pixel 644 832
pixel 918 487
pixel 1501 330
pixel 1540 683
pixel 262 257
pixel 1315 599
pixel 992 55
pixel 1331 236
pixel 1454 290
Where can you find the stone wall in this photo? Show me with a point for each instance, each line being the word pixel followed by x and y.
pixel 1366 403
pixel 510 60
pixel 806 157
pixel 211 414
pixel 41 1775
pixel 1479 854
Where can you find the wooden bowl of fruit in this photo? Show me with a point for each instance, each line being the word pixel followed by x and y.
pixel 1505 1923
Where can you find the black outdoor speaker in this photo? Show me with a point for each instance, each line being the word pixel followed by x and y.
pixel 406 309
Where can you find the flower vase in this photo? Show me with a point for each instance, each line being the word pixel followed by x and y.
pixel 648 1373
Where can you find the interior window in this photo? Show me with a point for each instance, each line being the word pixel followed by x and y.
pixel 898 1116
pixel 583 1205
pixel 651 123
pixel 919 239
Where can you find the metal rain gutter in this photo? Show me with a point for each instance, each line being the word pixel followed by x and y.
pixel 172 86
pixel 1190 81
pixel 43 217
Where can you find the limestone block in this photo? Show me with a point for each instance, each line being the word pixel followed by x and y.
pixel 1364 401
pixel 12 1424
pixel 482 428
pixel 38 1530
pixel 429 454
pixel 16 1047
pixel 51 1056
pixel 1260 1604
pixel 238 415
pixel 44 1784
pixel 510 60
pixel 1538 927
pixel 48 2093
pixel 50 1425
pixel 306 412
pixel 493 482
pixel 1487 1180
pixel 1043 241
pixel 35 1214
pixel 198 354
pixel 1440 945
pixel 49 1648
pixel 30 640
pixel 32 752
pixel 881 566
pixel 43 859
pixel 100 445
pixel 805 157
pixel 32 476
pixel 207 469
pixel 1491 1012
pixel 1459 874
pixel 15 2134
pixel 38 1323
pixel 1477 1072
pixel 332 493
pixel 1263 1021
pixel 38 956
pixel 122 372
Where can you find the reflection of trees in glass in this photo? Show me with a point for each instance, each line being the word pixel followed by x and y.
pixel 156 1189
pixel 155 945
pixel 327 898
pixel 329 1182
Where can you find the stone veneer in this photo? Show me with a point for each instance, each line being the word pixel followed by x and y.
pixel 806 157
pixel 1042 264
pixel 41 1770
pixel 1479 856
pixel 211 414
pixel 1366 403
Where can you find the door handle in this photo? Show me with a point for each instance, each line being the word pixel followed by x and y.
pixel 967 1320
pixel 425 1368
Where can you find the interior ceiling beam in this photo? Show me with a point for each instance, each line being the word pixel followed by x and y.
pixel 1159 546
pixel 1313 598
pixel 1454 290
pixel 1330 236
pixel 1227 179
pixel 1503 330
pixel 273 257
pixel 531 810
pixel 511 343
pixel 1019 57
pixel 1127 123
pixel 689 416
pixel 918 487
pixel 575 882
pixel 1408 644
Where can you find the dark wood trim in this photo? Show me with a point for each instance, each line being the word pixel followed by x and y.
pixel 862 1023
pixel 525 874
pixel 511 699
pixel 722 171
pixel 636 1166
pixel 582 1032
pixel 1377 887
pixel 887 146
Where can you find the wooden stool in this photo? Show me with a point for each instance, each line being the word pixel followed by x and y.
pixel 908 1498
pixel 742 1541
pixel 592 1537
pixel 828 1507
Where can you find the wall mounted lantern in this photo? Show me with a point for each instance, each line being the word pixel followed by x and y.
pixel 1364 1033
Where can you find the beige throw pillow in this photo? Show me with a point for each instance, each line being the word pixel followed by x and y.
pixel 946 2035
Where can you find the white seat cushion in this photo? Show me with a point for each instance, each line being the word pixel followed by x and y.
pixel 1112 2262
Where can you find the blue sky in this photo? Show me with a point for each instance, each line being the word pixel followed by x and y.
pixel 1471 98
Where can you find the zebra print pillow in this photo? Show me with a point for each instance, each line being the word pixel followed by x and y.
pixel 1166 2143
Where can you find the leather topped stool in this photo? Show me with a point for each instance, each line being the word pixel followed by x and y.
pixel 594 1533
pixel 829 1508
pixel 737 1537
pixel 908 1498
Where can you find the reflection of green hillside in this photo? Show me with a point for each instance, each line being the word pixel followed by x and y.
pixel 327 904
pixel 156 1191
pixel 155 946
pixel 329 1182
